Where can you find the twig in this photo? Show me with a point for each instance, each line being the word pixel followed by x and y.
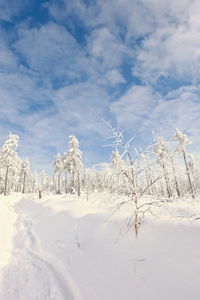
pixel 77 242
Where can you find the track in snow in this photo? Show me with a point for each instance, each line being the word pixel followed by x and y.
pixel 34 274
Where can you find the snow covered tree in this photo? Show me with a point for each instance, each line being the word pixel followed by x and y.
pixel 9 159
pixel 174 174
pixel 58 168
pixel 183 141
pixel 34 182
pixel 192 170
pixel 131 173
pixel 119 181
pixel 25 172
pixel 147 171
pixel 117 160
pixel 66 167
pixel 89 180
pixel 105 177
pixel 162 152
pixel 74 161
pixel 44 181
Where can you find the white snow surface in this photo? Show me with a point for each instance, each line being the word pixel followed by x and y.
pixel 65 247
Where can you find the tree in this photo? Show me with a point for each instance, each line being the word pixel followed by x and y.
pixel 119 181
pixel 162 152
pixel 174 174
pixel 183 141
pixel 9 159
pixel 192 169
pixel 74 161
pixel 130 171
pixel 58 168
pixel 117 160
pixel 66 167
pixel 25 170
pixel 89 181
pixel 147 171
pixel 43 180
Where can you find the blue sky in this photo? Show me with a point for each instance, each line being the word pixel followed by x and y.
pixel 66 65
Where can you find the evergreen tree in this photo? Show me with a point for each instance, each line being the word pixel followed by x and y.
pixel 58 168
pixel 25 171
pixel 66 167
pixel 9 159
pixel 74 161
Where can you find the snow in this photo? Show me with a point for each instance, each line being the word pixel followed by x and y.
pixel 63 247
pixel 7 221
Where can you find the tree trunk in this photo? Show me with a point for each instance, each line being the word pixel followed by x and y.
pixel 73 179
pixel 59 191
pixel 6 182
pixel 136 215
pixel 33 186
pixel 79 184
pixel 166 180
pixel 175 177
pixel 66 189
pixel 24 184
pixel 147 180
pixel 194 179
pixel 188 172
pixel 135 199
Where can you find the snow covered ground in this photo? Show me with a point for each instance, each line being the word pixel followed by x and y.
pixel 65 247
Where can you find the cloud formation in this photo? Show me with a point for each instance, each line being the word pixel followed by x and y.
pixel 66 65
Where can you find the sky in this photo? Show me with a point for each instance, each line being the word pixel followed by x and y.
pixel 66 65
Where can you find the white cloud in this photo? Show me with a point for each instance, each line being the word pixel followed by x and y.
pixel 172 49
pixel 51 51
pixel 156 38
pixel 44 118
pixel 114 77
pixel 164 34
pixel 142 110
pixel 7 60
pixel 11 8
pixel 82 106
pixel 106 48
pixel 134 107
pixel 24 111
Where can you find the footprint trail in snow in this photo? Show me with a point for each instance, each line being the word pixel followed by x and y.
pixel 32 273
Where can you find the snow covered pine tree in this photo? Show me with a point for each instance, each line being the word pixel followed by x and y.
pixel 75 161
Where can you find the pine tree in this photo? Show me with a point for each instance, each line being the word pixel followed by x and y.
pixel 58 168
pixel 74 161
pixel 66 167
pixel 25 171
pixel 9 159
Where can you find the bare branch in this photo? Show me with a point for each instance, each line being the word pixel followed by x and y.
pixel 158 178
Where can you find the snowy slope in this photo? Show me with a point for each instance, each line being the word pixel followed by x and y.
pixel 62 247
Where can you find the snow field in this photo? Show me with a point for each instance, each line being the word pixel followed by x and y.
pixel 7 220
pixel 64 247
